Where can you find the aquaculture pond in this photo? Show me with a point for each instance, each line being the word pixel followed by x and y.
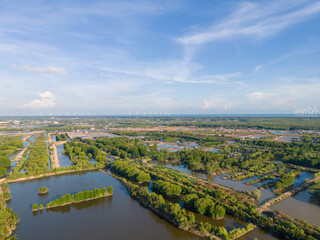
pixel 33 138
pixel 12 156
pixel 117 217
pixel 64 160
pixel 54 137
pixel 301 206
pixel 266 194
pixel 302 178
pixel 48 152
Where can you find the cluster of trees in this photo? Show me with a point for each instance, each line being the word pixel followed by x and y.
pixel 3 171
pixel 8 218
pixel 80 196
pixel 129 171
pixel 205 205
pixel 179 216
pixel 299 153
pixel 250 122
pixel 81 153
pixel 166 188
pixel 5 162
pixel 16 174
pixel 38 155
pixel 16 171
pixel 231 158
pixel 176 136
pixel 170 211
pixel 315 191
pixel 121 147
pixel 9 145
pixel 286 180
pixel 62 137
pixel 43 190
pixel 281 225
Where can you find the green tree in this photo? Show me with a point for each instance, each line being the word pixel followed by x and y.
pixel 110 190
pixel 256 193
pixel 3 171
pixel 202 205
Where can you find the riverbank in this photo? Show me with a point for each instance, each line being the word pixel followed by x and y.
pixel 195 228
pixel 48 175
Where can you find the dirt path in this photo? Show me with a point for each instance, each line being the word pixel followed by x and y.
pixel 19 155
pixel 54 152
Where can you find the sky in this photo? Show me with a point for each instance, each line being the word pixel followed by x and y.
pixel 164 57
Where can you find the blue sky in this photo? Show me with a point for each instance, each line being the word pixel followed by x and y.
pixel 112 57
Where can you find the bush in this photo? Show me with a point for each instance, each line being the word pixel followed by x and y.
pixel 5 162
pixel 80 196
pixel 43 190
pixel 202 205
pixel 127 170
pixel 166 188
pixel 110 190
pixel 34 207
pixel 3 171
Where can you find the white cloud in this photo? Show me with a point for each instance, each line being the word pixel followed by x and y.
pixel 217 103
pixel 256 20
pixel 256 95
pixel 46 101
pixel 257 68
pixel 48 69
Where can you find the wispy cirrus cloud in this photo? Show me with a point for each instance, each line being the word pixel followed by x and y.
pixel 256 20
pixel 176 72
pixel 49 69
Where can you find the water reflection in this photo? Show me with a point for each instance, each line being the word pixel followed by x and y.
pixel 301 206
pixel 120 217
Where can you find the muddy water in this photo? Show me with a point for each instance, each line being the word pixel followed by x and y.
pixel 117 217
pixel 266 194
pixel 301 206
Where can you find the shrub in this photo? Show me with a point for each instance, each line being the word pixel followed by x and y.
pixel 3 171
pixel 34 207
pixel 43 190
pixel 110 190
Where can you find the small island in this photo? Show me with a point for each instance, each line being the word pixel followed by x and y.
pixel 43 190
pixel 76 198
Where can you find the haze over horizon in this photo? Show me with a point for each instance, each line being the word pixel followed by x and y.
pixel 182 57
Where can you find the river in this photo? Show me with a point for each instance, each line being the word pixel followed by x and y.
pixel 117 217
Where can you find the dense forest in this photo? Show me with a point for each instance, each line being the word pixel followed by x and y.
pixel 166 188
pixel 299 153
pixel 38 155
pixel 8 146
pixel 8 218
pixel 129 171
